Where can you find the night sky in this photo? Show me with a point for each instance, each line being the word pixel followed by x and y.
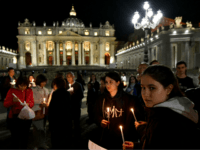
pixel 117 12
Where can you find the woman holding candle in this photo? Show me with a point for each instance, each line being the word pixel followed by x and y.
pixel 60 122
pixel 19 128
pixel 119 104
pixel 31 81
pixel 171 121
pixel 39 93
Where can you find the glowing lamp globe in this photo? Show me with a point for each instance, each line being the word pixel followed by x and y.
pixel 146 5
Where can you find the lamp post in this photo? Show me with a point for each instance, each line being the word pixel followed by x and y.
pixel 147 22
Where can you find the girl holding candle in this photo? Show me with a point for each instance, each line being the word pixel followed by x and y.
pixel 19 128
pixel 131 86
pixel 171 121
pixel 39 93
pixel 119 104
pixel 31 81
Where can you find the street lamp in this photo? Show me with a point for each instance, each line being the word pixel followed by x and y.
pixel 149 21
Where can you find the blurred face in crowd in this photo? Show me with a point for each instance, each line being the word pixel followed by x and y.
pixel 181 69
pixel 153 92
pixel 55 87
pixel 93 77
pixel 132 80
pixel 102 85
pixel 31 78
pixel 11 73
pixel 141 68
pixel 42 84
pixel 111 85
pixel 22 87
pixel 70 78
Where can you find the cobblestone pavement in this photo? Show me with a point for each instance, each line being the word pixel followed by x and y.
pixel 86 129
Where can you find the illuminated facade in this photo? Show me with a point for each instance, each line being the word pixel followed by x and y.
pixel 69 44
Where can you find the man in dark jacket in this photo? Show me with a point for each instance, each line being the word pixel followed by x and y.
pixel 76 93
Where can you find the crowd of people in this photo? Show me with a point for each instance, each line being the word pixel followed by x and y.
pixel 164 112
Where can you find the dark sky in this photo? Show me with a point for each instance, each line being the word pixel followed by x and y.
pixel 117 12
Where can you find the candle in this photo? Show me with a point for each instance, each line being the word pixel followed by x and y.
pixel 69 85
pixel 32 80
pixel 108 116
pixel 44 101
pixel 122 133
pixel 133 114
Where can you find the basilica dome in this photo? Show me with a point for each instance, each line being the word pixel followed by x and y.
pixel 72 21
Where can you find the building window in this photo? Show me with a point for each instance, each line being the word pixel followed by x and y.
pixel 40 32
pixel 27 46
pixel 87 46
pixel 27 31
pixel 2 61
pixel 9 60
pixel 86 32
pixel 61 46
pixel 96 46
pixel 60 32
pixel 39 46
pixel 40 59
pixel 107 46
pixel 6 62
pixel 95 33
pixel 50 45
pixel 49 32
pixel 107 33
pixel 69 45
pixel 76 47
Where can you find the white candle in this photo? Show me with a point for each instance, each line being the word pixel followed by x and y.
pixel 122 133
pixel 108 115
pixel 44 101
pixel 69 85
pixel 133 114
pixel 32 80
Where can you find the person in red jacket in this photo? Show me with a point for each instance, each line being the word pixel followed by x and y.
pixel 19 128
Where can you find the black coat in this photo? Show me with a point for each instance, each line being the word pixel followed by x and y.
pixel 167 129
pixel 60 110
pixel 111 138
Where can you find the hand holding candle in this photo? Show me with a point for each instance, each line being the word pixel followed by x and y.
pixel 44 101
pixel 133 114
pixel 122 133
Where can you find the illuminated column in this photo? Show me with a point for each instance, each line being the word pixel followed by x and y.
pixel 21 54
pixel 54 53
pixel 64 54
pixel 79 53
pixel 34 55
pixel 91 53
pixel 73 52
pixel 101 53
pixel 112 54
pixel 187 52
pixel 45 52
pixel 58 53
pixel 83 56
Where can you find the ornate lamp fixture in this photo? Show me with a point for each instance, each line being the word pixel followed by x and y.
pixel 149 21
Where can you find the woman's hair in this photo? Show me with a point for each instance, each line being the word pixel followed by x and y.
pixel 91 77
pixel 40 78
pixel 165 77
pixel 153 61
pixel 22 80
pixel 129 83
pixel 115 76
pixel 59 82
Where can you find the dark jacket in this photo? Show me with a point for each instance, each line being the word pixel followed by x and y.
pixel 121 114
pixel 168 129
pixel 92 93
pixel 60 110
pixel 82 82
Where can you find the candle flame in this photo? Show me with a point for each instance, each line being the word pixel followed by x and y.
pixel 120 127
pixel 32 80
pixel 108 109
pixel 132 109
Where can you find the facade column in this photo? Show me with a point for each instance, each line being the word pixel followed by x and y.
pixel 101 50
pixel 64 54
pixel 112 55
pixel 79 53
pixel 73 52
pixel 158 53
pixel 91 53
pixel 34 55
pixel 58 52
pixel 83 55
pixel 45 53
pixel 187 52
pixel 54 53
pixel 21 55
pixel 149 55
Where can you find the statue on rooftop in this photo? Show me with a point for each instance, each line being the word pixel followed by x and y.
pixel 178 22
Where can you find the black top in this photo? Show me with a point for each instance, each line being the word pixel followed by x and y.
pixel 185 83
pixel 120 106
pixel 167 129
pixel 59 110
pixel 82 82
pixel 76 95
